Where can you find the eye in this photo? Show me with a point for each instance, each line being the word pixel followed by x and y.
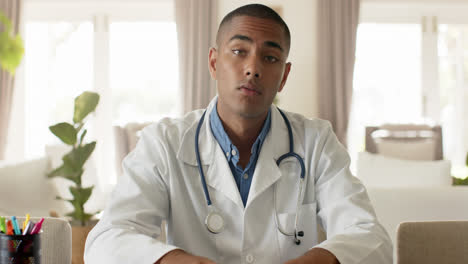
pixel 271 59
pixel 238 51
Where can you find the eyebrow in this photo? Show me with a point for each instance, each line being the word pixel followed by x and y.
pixel 268 43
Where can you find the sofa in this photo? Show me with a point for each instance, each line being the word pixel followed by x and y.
pixel 396 205
pixel 25 188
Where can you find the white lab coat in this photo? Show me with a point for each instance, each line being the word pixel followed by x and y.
pixel 161 181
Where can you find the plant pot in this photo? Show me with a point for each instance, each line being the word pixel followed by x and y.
pixel 79 235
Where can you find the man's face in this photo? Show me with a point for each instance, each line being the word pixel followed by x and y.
pixel 249 66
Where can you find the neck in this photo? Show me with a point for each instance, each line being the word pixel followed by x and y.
pixel 242 131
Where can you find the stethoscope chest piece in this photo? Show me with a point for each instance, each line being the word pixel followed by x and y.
pixel 214 222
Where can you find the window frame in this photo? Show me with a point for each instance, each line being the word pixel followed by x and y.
pixel 101 14
pixel 429 16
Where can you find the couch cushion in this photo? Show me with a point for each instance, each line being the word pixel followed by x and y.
pixel 423 149
pixel 396 205
pixel 380 171
pixel 25 188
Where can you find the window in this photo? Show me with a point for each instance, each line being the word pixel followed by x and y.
pixel 387 78
pixel 388 67
pixel 59 66
pixel 143 71
pixel 412 67
pixel 125 51
pixel 453 74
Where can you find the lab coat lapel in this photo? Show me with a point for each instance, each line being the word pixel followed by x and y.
pixel 266 172
pixel 276 144
pixel 219 176
pixel 217 172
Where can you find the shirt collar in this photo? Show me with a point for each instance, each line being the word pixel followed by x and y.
pixel 225 142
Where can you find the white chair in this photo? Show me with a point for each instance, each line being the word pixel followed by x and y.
pixel 405 141
pixel 126 138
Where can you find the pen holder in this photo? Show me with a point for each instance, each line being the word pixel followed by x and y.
pixel 19 249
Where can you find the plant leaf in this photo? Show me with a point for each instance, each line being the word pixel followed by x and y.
pixel 80 216
pixel 65 132
pixel 458 181
pixel 82 195
pixel 11 46
pixel 5 21
pixel 12 58
pixel 56 172
pixel 85 104
pixel 86 217
pixel 80 126
pixel 78 213
pixel 83 135
pixel 467 159
pixel 67 172
pixel 77 157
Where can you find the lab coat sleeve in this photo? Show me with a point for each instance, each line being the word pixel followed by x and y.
pixel 131 222
pixel 344 209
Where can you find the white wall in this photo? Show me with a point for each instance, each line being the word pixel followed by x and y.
pixel 300 92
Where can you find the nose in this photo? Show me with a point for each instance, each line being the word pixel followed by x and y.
pixel 253 68
pixel 255 74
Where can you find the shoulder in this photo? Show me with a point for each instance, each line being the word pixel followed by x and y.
pixel 171 129
pixel 309 125
pixel 159 142
pixel 164 137
pixel 311 133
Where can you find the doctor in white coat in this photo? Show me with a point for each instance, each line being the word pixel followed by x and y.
pixel 254 223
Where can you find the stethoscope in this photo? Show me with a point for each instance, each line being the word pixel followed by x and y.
pixel 214 221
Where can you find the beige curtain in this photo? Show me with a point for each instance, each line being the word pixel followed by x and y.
pixel 337 28
pixel 12 9
pixel 196 22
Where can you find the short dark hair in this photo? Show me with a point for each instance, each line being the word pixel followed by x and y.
pixel 258 11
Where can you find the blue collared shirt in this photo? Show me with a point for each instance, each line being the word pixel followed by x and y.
pixel 242 176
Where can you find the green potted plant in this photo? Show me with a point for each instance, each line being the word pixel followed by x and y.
pixel 74 161
pixel 11 46
pixel 72 168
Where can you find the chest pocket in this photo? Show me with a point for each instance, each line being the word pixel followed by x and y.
pixel 307 222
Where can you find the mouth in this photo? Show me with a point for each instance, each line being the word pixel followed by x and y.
pixel 249 89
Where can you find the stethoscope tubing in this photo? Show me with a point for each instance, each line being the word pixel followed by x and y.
pixel 200 169
pixel 291 153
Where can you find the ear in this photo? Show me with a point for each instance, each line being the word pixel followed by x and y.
pixel 287 68
pixel 213 55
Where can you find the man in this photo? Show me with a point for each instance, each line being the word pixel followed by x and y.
pixel 252 201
